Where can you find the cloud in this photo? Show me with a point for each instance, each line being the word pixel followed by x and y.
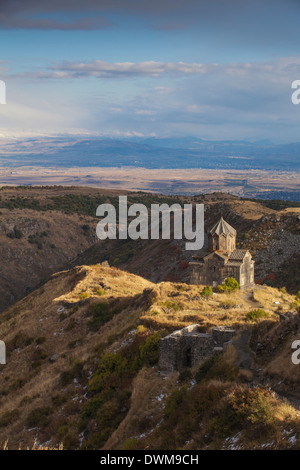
pixel 273 70
pixel 85 23
pixel 215 101
pixel 101 69
pixel 238 21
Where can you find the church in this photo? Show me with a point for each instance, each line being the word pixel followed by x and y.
pixel 223 259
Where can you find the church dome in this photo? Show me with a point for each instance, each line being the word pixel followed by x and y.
pixel 222 227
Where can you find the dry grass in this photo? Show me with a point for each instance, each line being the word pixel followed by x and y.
pixel 49 312
pixel 267 296
pixel 35 446
pixel 147 401
pixel 180 305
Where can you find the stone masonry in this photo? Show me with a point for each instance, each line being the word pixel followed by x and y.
pixel 188 347
pixel 223 259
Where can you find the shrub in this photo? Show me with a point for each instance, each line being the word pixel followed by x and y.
pixel 175 399
pixel 84 295
pixel 149 349
pixel 217 368
pixel 130 444
pixel 171 305
pixel 227 305
pixel 294 305
pixel 40 340
pixel 93 406
pixel 62 431
pixel 38 417
pixel 101 314
pixel 71 441
pixel 206 292
pixel 230 285
pixel 254 315
pixel 109 373
pixel 252 406
pixel 74 373
pixel 100 292
pixel 17 233
pixel 8 417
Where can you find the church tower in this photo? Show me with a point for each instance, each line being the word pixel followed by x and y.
pixel 222 238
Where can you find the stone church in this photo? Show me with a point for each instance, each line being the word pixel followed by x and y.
pixel 223 259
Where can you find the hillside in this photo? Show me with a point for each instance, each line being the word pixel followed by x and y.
pixel 268 229
pixel 45 229
pixel 82 367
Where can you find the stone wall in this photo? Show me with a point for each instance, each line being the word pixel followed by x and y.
pixel 188 347
pixel 222 334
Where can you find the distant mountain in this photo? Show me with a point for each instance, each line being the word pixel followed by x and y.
pixel 187 152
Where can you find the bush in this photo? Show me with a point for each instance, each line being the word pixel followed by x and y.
pixel 17 233
pixel 39 417
pixel 217 368
pixel 230 285
pixel 111 368
pixel 71 441
pixel 84 295
pixel 101 314
pixel 171 305
pixel 8 417
pixel 100 292
pixel 227 305
pixel 175 399
pixel 130 444
pixel 149 349
pixel 74 373
pixel 252 406
pixel 40 340
pixel 254 315
pixel 295 305
pixel 206 292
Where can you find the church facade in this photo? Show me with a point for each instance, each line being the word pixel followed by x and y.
pixel 223 259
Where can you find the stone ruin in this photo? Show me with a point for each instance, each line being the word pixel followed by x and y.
pixel 187 347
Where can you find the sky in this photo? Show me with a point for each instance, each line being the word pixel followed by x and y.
pixel 218 69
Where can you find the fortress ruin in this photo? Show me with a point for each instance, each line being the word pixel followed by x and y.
pixel 188 347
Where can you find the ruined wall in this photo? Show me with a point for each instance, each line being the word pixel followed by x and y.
pixel 188 347
pixel 222 334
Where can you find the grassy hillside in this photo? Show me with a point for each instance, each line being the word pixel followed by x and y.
pixel 82 367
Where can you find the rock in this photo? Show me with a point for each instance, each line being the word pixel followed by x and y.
pixel 53 358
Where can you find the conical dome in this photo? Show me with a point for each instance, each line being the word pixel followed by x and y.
pixel 222 238
pixel 222 227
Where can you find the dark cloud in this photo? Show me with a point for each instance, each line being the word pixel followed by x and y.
pixel 241 21
pixel 87 23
